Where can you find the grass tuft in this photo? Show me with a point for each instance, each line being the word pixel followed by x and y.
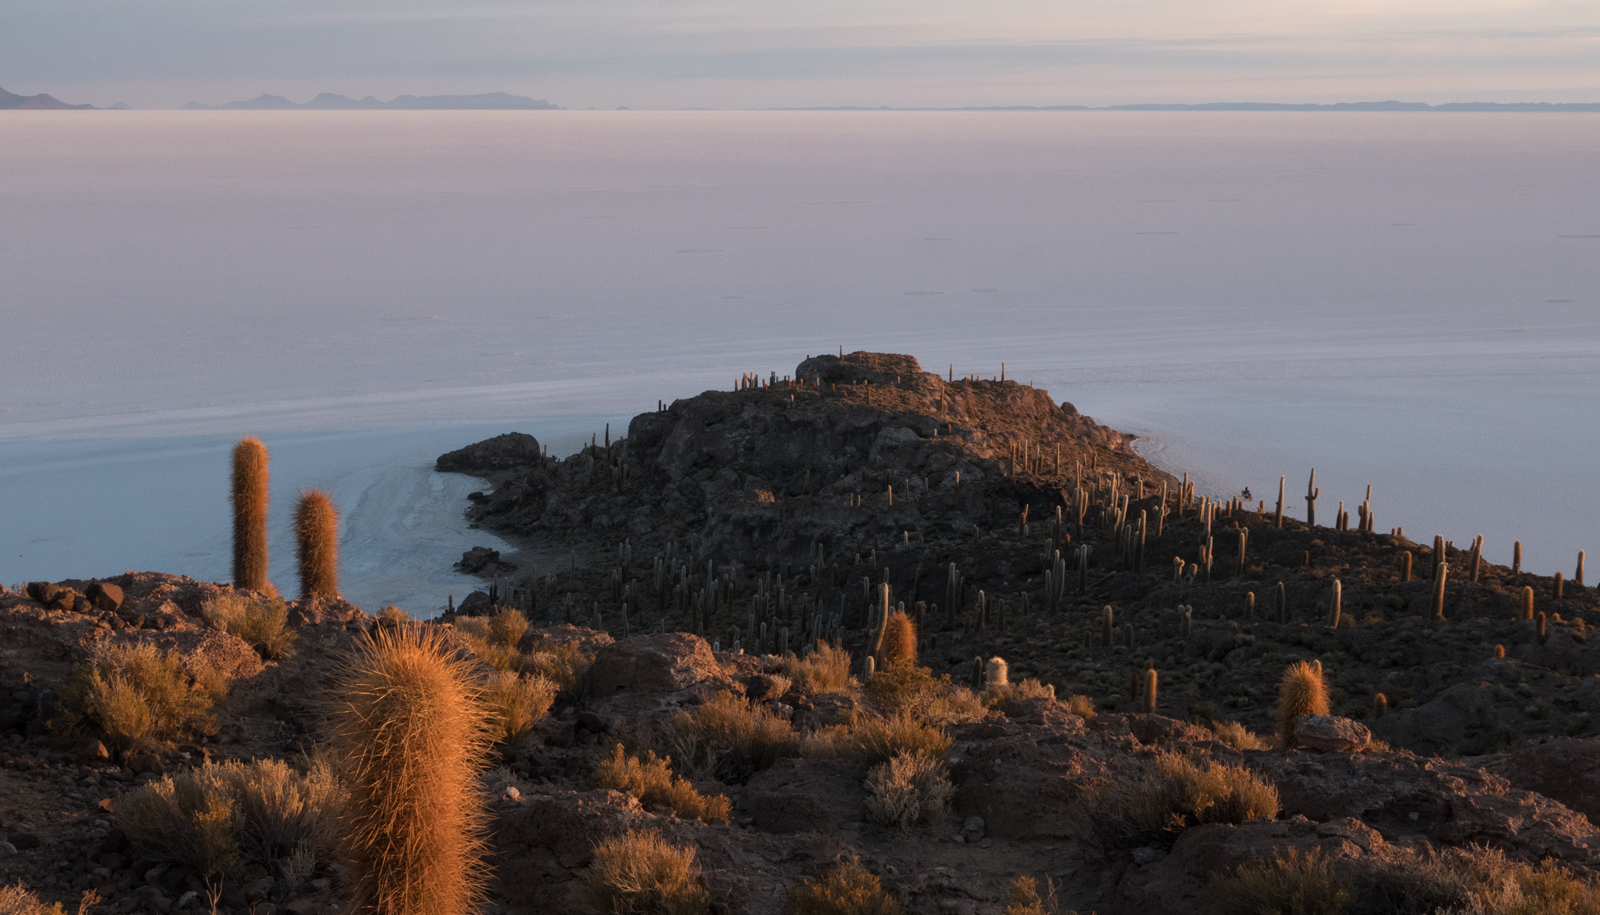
pixel 908 789
pixel 846 889
pixel 641 873
pixel 137 695
pixel 1173 793
pixel 261 623
pixel 826 670
pixel 651 781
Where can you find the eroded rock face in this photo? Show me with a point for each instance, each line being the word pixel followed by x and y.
pixel 804 795
pixel 503 452
pixel 654 664
pixel 1331 734
pixel 1564 769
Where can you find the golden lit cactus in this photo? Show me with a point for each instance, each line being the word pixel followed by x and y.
pixel 249 497
pixel 1301 693
pixel 408 730
pixel 899 640
pixel 1380 705
pixel 316 534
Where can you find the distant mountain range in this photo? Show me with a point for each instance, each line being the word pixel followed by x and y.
pixel 329 101
pixel 1257 106
pixel 10 101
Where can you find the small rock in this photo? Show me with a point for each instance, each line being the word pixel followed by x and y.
pixel 7 849
pixel 106 596
pixel 475 604
pixel 24 841
pixel 1331 734
pixel 186 898
pixel 1148 855
pixel 303 906
pixel 513 793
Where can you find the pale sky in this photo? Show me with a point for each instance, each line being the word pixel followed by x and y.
pixel 761 53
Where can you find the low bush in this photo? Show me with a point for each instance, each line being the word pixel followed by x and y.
pixel 260 622
pixel 825 670
pixel 392 617
pixel 909 690
pixel 1239 737
pixel 213 818
pixel 1081 705
pixel 1291 884
pixel 16 900
pixel 137 694
pixel 507 626
pixel 846 889
pixel 651 781
pixel 871 740
pixel 1000 695
pixel 563 662
pixel 1023 898
pixel 908 789
pixel 1469 881
pixel 1173 793
pixel 640 873
pixel 514 704
pixel 729 738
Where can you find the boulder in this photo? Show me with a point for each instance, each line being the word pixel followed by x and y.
pixel 1564 769
pixel 1331 734
pixel 503 452
pixel 479 559
pixel 804 795
pixel 654 664
pixel 42 591
pixel 475 604
pixel 105 595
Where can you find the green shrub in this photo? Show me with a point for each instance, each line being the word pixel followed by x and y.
pixel 261 623
pixel 651 781
pixel 640 873
pixel 137 694
pixel 846 889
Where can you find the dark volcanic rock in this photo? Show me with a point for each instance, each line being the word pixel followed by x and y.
pixel 503 452
pixel 105 595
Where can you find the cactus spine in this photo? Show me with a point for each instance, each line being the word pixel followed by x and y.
pixel 408 732
pixel 249 497
pixel 1301 693
pixel 316 532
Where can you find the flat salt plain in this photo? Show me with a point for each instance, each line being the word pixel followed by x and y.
pixel 1409 300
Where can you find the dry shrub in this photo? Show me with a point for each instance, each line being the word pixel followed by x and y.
pixel 1170 795
pixel 136 694
pixel 1081 705
pixel 16 900
pixel 908 789
pixel 261 623
pixel 218 816
pixel 563 662
pixel 1238 736
pixel 826 670
pixel 1292 884
pixel 1470 881
pixel 906 689
pixel 515 704
pixel 1006 693
pixel 473 627
pixel 846 889
pixel 392 617
pixel 1301 693
pixel 730 738
pixel 1023 898
pixel 497 657
pixel 640 872
pixel 409 735
pixel 873 740
pixel 507 626
pixel 651 781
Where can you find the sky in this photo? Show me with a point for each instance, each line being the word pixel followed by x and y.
pixel 800 53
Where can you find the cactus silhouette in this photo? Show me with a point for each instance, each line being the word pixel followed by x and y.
pixel 249 497
pixel 1301 693
pixel 1380 705
pixel 409 733
pixel 316 533
pixel 899 640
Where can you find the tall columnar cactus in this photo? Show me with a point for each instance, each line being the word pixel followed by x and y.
pixel 1560 586
pixel 1282 607
pixel 1107 623
pixel 1527 603
pixel 1516 558
pixel 1441 572
pixel 1301 693
pixel 1405 565
pixel 899 641
pixel 408 733
pixel 1337 601
pixel 1380 705
pixel 1578 578
pixel 249 497
pixel 1312 491
pixel 1250 605
pixel 1149 689
pixel 316 532
pixel 1277 518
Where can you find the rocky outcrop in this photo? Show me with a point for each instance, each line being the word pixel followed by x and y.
pixel 1331 734
pixel 503 452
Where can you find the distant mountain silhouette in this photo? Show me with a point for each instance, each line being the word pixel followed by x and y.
pixel 10 101
pixel 1256 106
pixel 488 101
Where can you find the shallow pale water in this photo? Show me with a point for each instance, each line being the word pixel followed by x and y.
pixel 1406 300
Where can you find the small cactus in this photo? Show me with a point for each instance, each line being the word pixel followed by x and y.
pixel 316 532
pixel 900 640
pixel 1499 651
pixel 1380 705
pixel 249 499
pixel 1337 604
pixel 1405 565
pixel 1107 624
pixel 1539 626
pixel 1300 693
pixel 996 673
pixel 1527 602
pixel 1441 573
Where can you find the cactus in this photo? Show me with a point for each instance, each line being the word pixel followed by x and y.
pixel 1516 559
pixel 1127 635
pixel 1107 622
pixel 1405 565
pixel 996 673
pixel 1560 586
pixel 1527 603
pixel 1539 626
pixel 250 515
pixel 1380 705
pixel 900 640
pixel 408 732
pixel 1499 651
pixel 1250 605
pixel 1277 518
pixel 316 533
pixel 1337 602
pixel 1441 572
pixel 1312 491
pixel 1301 693
pixel 1150 689
pixel 1282 604
pixel 1578 578
pixel 1477 557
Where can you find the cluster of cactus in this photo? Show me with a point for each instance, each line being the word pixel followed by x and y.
pixel 316 526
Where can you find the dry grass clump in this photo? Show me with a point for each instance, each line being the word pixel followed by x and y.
pixel 473 627
pixel 409 735
pixel 871 740
pixel 16 900
pixel 826 670
pixel 392 617
pixel 1294 883
pixel 846 889
pixel 1239 737
pixel 216 817
pixel 908 789
pixel 729 738
pixel 906 689
pixel 1023 898
pixel 651 781
pixel 507 627
pixel 137 694
pixel 1003 694
pixel 1081 705
pixel 514 704
pixel 563 662
pixel 261 623
pixel 1471 881
pixel 1301 693
pixel 1170 795
pixel 640 873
